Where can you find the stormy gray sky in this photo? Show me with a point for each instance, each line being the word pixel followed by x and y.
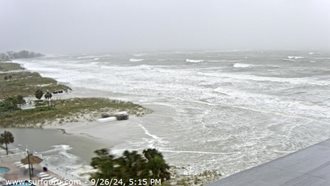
pixel 73 26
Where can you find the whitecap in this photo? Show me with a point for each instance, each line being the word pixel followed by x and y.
pixel 135 60
pixel 241 65
pixel 295 57
pixel 194 60
pixel 145 67
pixel 58 148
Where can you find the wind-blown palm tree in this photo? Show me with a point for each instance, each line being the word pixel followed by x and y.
pixel 6 138
pixel 104 162
pixel 157 165
pixel 131 165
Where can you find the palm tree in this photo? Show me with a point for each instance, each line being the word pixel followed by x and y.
pixel 48 96
pixel 156 165
pixel 131 166
pixel 6 138
pixel 104 162
pixel 39 93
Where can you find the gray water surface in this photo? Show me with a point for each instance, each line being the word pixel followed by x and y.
pixel 232 110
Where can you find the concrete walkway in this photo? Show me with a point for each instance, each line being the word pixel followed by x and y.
pixel 307 167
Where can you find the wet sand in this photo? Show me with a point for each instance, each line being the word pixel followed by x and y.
pixel 41 140
pixel 87 136
pixel 112 133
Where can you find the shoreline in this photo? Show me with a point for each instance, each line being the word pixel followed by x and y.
pixel 66 105
pixel 82 126
pixel 75 131
pixel 118 132
pixel 114 133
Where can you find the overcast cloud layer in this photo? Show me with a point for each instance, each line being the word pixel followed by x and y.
pixel 73 26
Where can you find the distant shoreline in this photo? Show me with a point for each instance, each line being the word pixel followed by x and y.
pixel 15 80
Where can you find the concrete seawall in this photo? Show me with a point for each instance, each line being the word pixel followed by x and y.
pixel 307 167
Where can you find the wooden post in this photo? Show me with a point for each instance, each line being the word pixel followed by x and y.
pixel 30 175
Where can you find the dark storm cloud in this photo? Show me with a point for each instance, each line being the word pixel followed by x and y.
pixel 65 26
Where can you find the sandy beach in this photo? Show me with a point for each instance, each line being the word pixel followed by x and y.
pixel 112 133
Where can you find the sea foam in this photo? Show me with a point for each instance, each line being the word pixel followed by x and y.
pixel 135 60
pixel 241 65
pixel 194 60
pixel 295 57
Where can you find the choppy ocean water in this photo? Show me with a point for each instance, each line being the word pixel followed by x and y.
pixel 233 110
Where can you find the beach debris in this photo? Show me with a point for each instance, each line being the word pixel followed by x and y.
pixel 105 115
pixel 121 115
pixel 107 119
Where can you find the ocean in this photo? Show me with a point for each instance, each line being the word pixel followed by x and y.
pixel 230 110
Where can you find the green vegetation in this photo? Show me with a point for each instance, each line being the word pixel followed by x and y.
pixel 131 165
pixel 26 83
pixel 23 82
pixel 64 110
pixel 39 93
pixel 11 103
pixel 5 67
pixel 49 96
pixel 17 83
pixel 6 138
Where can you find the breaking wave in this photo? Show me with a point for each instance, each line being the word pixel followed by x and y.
pixel 194 60
pixel 241 65
pixel 135 60
pixel 274 100
pixel 295 57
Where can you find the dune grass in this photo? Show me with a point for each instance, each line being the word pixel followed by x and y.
pixel 15 80
pixel 24 83
pixel 68 110
pixel 7 66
